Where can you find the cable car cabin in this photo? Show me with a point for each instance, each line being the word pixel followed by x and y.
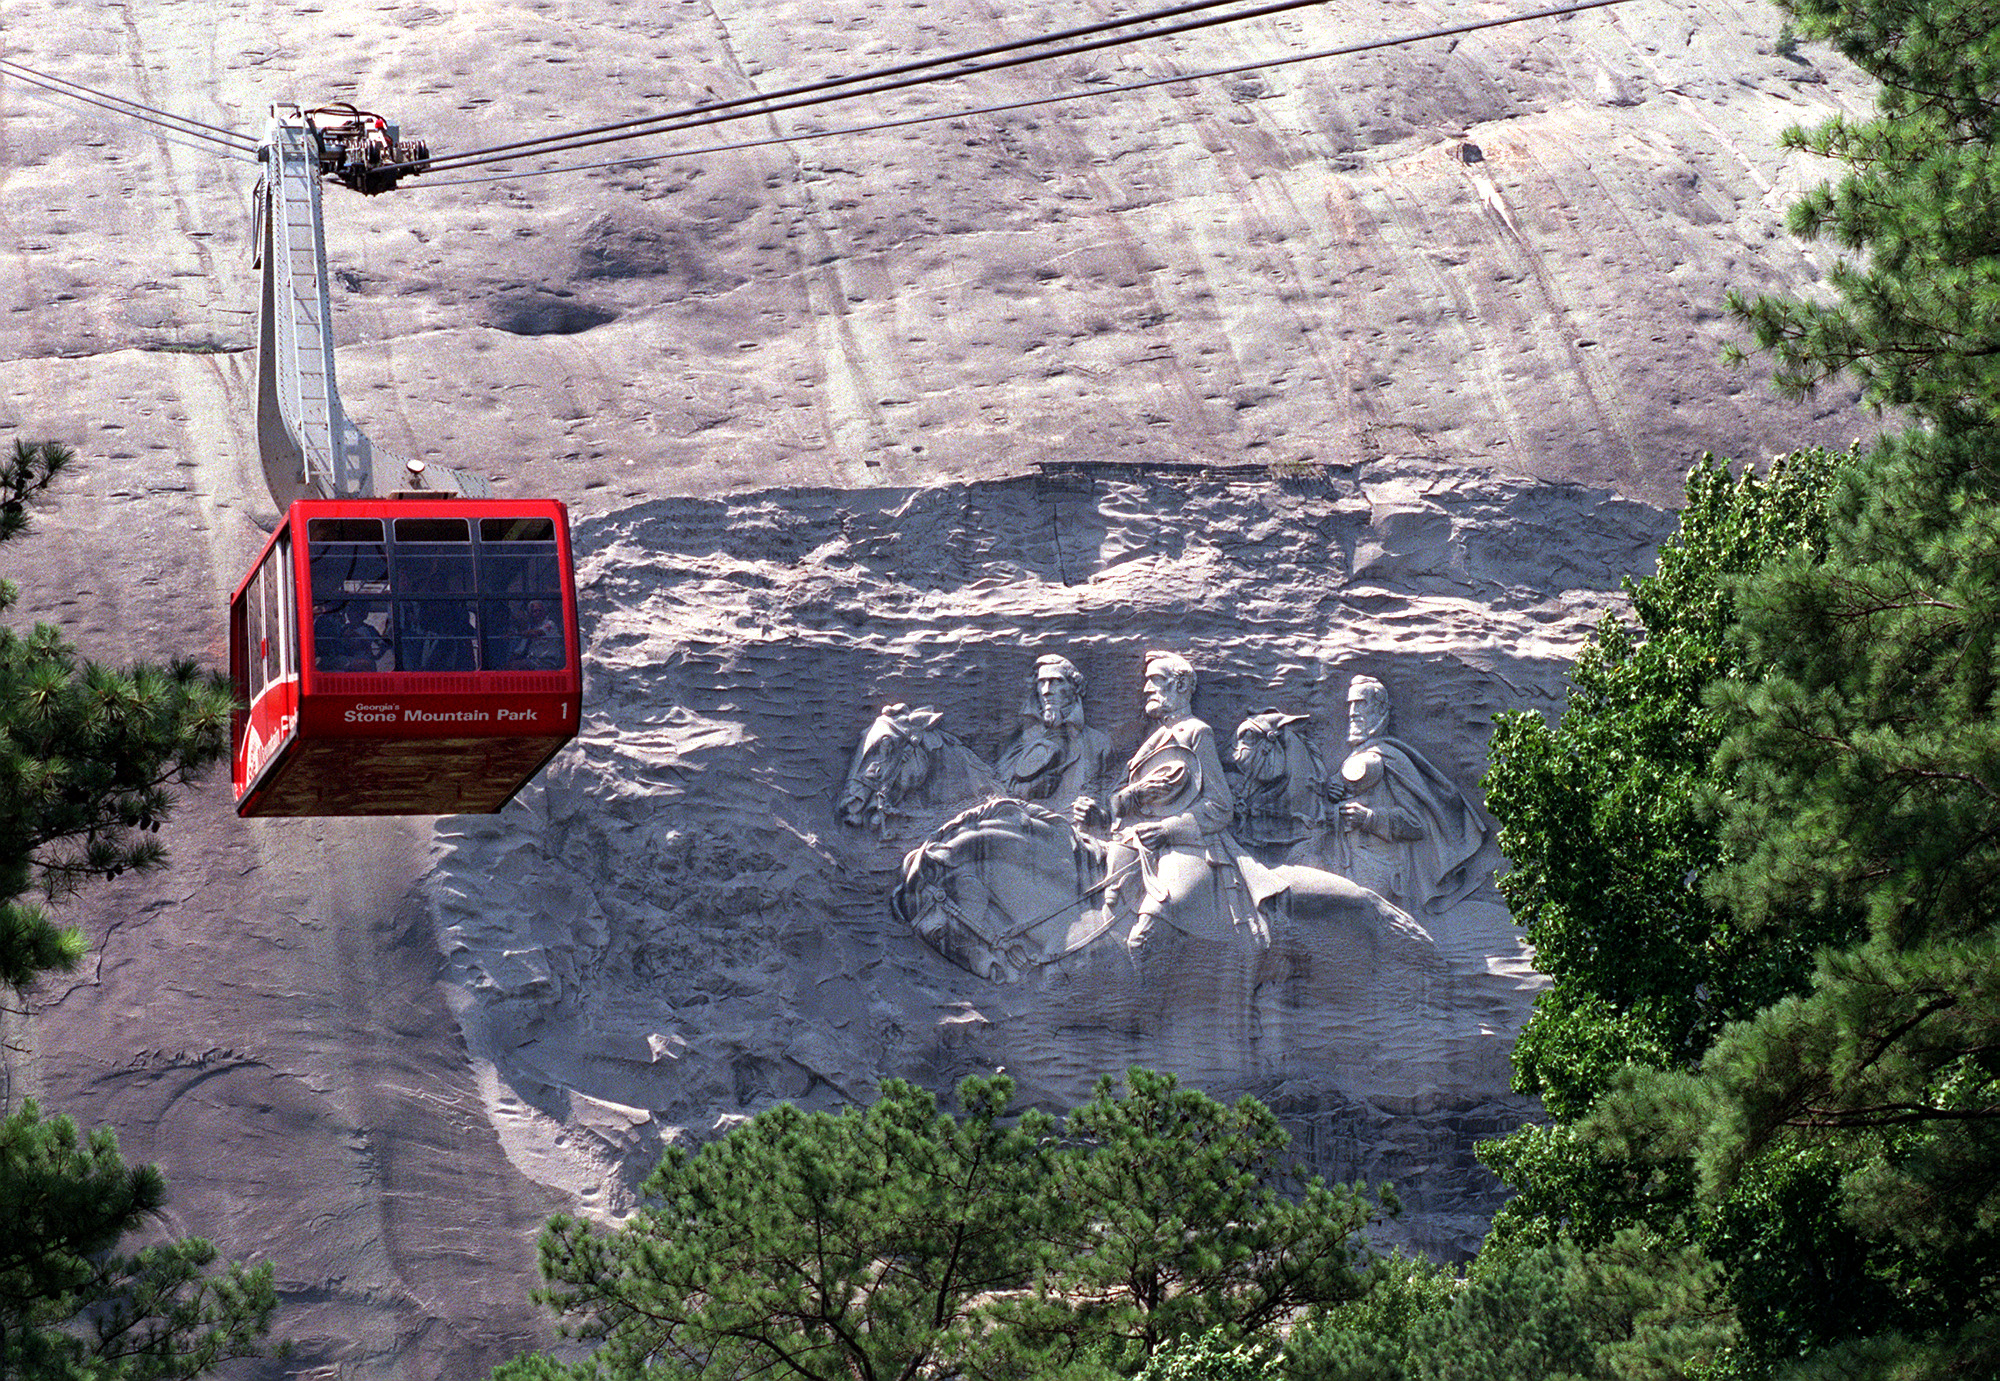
pixel 403 657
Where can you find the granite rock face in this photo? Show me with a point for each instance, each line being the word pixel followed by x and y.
pixel 683 923
pixel 791 393
pixel 1507 248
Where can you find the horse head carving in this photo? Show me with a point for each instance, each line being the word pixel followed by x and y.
pixel 1279 804
pixel 905 759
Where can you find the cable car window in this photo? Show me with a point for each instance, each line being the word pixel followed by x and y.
pixel 279 569
pixel 344 530
pixel 348 558
pixel 521 570
pixel 518 559
pixel 253 620
pixel 517 530
pixel 271 643
pixel 433 530
pixel 436 595
pixel 352 635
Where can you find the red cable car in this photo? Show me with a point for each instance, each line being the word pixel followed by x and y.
pixel 403 657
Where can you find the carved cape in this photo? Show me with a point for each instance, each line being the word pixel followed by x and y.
pixel 1435 871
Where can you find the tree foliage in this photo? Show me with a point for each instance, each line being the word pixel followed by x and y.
pixel 1632 1308
pixel 89 757
pixel 1179 1220
pixel 812 1245
pixel 1608 820
pixel 1917 324
pixel 897 1241
pixel 75 1308
pixel 1839 1140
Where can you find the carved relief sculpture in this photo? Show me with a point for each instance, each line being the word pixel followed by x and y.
pixel 1009 887
pixel 1281 805
pixel 1170 856
pixel 906 761
pixel 1056 758
pixel 1405 830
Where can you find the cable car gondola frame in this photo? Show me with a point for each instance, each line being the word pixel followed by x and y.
pixel 404 656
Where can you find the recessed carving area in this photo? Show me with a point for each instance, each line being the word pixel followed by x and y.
pixel 1134 770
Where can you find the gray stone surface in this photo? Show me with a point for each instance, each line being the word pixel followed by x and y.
pixel 1480 280
pixel 678 927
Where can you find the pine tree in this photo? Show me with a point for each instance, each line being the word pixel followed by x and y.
pixel 897 1241
pixel 1918 324
pixel 811 1245
pixel 89 755
pixel 1864 763
pixel 89 758
pixel 1181 1219
pixel 75 1308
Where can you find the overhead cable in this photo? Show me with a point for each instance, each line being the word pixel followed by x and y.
pixel 752 106
pixel 1263 64
pixel 129 109
pixel 831 83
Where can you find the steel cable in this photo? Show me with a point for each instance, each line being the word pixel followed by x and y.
pixel 1030 103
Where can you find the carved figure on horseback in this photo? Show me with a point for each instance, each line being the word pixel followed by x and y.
pixel 1008 887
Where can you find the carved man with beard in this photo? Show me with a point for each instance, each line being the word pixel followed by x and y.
pixel 1056 757
pixel 1171 857
pixel 1406 831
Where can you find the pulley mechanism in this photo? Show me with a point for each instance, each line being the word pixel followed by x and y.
pixel 365 151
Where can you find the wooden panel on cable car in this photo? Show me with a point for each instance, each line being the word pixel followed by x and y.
pixel 404 657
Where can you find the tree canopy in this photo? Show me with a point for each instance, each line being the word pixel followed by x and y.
pixel 1821 1113
pixel 89 755
pixel 897 1241
pixel 73 1307
pixel 89 758
pixel 1917 324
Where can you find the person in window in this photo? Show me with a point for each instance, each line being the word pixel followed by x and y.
pixel 539 638
pixel 434 633
pixel 342 639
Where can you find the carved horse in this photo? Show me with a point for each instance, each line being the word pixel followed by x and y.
pixel 1280 804
pixel 1007 888
pixel 905 760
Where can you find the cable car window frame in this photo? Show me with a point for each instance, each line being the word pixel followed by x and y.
pixel 434 580
pixel 454 596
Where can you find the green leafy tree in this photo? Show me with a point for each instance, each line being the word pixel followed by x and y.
pixel 1613 819
pixel 89 756
pixel 899 1241
pixel 1607 820
pixel 1863 764
pixel 1210 1357
pixel 1377 1335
